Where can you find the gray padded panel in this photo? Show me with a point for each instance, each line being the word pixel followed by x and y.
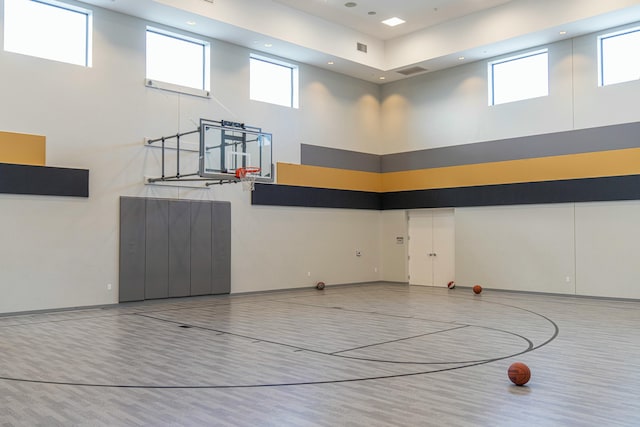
pixel 221 263
pixel 157 249
pixel 179 248
pixel 174 248
pixel 132 249
pixel 201 248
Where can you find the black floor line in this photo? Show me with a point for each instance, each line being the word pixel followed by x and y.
pixel 531 347
pixel 336 353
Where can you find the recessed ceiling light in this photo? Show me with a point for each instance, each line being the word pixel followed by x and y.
pixel 461 58
pixel 382 77
pixel 330 62
pixel 392 22
pixel 191 22
pixel 268 45
pixel 562 33
pixel 351 4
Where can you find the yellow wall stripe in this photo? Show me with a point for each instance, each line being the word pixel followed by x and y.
pixel 321 177
pixel 22 148
pixel 571 166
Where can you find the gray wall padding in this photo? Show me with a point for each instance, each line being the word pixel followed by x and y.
pixel 173 248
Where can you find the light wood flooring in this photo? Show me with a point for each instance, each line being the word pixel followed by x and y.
pixel 362 355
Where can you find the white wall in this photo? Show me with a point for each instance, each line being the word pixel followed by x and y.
pixel 532 248
pixel 449 107
pixel 600 106
pixel 574 248
pixel 290 243
pixel 607 248
pixel 62 252
pixel 525 248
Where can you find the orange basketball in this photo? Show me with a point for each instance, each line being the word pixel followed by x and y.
pixel 519 373
pixel 477 289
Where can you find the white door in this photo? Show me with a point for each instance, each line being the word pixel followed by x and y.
pixel 431 247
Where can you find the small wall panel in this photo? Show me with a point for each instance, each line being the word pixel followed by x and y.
pixel 132 248
pixel 157 249
pixel 179 248
pixel 201 248
pixel 221 232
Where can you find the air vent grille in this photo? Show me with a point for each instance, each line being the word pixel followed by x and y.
pixel 362 47
pixel 412 70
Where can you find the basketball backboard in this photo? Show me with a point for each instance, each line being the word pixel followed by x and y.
pixel 226 146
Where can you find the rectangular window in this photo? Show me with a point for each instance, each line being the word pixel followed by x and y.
pixel 519 77
pixel 619 57
pixel 177 62
pixel 273 81
pixel 48 29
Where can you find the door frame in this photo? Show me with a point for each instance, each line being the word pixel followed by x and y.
pixel 451 212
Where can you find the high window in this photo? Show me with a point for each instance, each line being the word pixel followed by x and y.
pixel 519 77
pixel 177 62
pixel 619 57
pixel 48 29
pixel 273 81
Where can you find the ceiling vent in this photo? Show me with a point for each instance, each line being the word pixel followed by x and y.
pixel 412 70
pixel 362 47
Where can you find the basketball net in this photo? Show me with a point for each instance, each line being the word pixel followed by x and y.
pixel 247 177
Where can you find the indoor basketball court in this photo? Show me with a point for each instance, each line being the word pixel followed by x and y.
pixel 443 352
pixel 319 213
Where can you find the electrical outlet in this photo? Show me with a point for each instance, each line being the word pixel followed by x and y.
pixel 375 269
pixel 109 286
pixel 308 274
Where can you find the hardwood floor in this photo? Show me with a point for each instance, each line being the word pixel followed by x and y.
pixel 365 355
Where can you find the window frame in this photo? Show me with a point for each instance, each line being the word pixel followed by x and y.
pixel 294 79
pixel 491 74
pixel 205 90
pixel 600 56
pixel 88 31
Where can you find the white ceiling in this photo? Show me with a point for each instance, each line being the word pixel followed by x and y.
pixel 418 14
pixel 437 32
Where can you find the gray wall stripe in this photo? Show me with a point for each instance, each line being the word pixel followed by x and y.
pixel 614 137
pixel 552 144
pixel 313 155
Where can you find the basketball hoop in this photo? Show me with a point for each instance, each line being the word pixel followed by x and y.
pixel 247 177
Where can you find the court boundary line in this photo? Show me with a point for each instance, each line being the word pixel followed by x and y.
pixel 300 383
